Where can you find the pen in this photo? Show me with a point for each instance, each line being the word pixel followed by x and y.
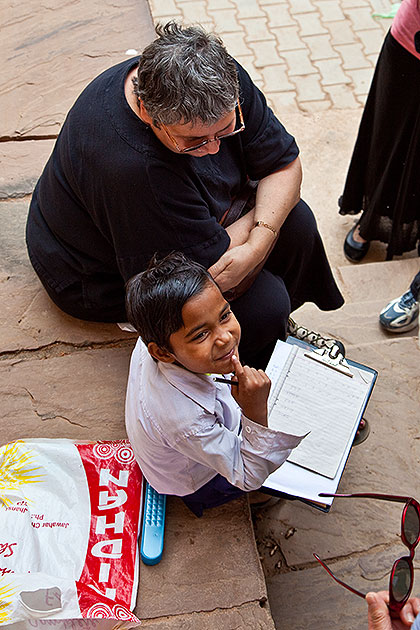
pixel 225 380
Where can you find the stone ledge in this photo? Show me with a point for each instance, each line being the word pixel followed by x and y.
pixel 55 54
pixel 28 318
pixel 30 321
pixel 209 565
pixel 367 287
pixel 22 164
pixel 79 395
pixel 373 281
pixel 250 616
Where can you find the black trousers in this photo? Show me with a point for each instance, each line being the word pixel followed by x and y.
pixel 297 271
pixel 415 285
pixel 215 492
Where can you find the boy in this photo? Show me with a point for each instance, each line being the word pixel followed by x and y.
pixel 205 441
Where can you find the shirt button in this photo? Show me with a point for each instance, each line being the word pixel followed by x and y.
pixel 248 429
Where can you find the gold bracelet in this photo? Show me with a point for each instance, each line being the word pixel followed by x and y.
pixel 269 227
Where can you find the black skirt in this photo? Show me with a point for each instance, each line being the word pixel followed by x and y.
pixel 383 179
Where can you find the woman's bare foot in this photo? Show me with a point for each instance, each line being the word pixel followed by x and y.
pixel 356 235
pixel 355 247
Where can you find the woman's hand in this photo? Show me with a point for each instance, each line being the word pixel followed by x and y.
pixel 240 229
pixel 378 612
pixel 276 195
pixel 234 265
pixel 252 391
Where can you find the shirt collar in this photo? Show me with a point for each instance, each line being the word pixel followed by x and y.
pixel 201 388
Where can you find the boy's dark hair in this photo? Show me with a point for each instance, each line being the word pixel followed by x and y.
pixel 155 297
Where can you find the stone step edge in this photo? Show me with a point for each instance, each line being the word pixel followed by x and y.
pixel 373 281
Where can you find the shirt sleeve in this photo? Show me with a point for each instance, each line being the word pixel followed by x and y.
pixel 244 460
pixel 266 144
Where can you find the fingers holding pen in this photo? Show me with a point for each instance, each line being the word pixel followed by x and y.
pixel 248 375
pixel 252 391
pixel 237 367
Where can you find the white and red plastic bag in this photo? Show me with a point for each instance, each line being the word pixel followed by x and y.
pixel 69 522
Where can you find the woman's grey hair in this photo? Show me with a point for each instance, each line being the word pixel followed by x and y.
pixel 186 75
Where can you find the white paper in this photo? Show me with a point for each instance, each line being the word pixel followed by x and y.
pixel 330 406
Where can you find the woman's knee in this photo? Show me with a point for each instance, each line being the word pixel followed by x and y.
pixel 300 222
pixel 263 310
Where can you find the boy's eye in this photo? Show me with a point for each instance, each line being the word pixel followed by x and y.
pixel 225 315
pixel 200 336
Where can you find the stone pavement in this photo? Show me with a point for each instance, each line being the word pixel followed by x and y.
pixel 306 55
pixel 60 377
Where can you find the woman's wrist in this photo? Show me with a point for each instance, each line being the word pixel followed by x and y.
pixel 267 226
pixel 261 240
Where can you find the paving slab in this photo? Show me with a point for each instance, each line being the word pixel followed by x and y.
pixel 28 318
pixel 310 598
pixel 367 288
pixel 208 563
pixel 77 394
pixel 293 23
pixel 47 60
pixel 246 617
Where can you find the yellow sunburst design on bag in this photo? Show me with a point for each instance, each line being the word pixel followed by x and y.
pixel 6 595
pixel 16 470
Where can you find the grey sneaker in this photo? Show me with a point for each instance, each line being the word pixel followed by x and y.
pixel 400 314
pixel 315 338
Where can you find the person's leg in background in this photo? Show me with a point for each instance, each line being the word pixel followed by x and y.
pixel 401 314
pixel 415 286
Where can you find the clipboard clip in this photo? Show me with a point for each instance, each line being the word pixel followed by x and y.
pixel 330 357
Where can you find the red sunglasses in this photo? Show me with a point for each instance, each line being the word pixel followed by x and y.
pixel 402 573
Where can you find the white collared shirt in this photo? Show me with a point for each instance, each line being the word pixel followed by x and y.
pixel 185 428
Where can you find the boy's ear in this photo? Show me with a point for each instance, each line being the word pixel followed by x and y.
pixel 160 354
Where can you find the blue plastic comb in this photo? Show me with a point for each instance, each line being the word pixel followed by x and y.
pixel 153 526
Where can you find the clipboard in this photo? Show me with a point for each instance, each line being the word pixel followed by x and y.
pixel 294 479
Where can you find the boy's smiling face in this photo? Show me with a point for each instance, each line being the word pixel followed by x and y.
pixel 210 335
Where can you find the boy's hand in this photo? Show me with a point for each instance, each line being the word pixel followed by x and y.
pixel 252 391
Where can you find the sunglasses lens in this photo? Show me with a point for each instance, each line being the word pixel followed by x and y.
pixel 401 580
pixel 411 525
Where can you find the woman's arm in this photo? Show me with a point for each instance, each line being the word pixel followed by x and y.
pixel 276 195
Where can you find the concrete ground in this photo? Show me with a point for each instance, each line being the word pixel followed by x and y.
pixel 60 377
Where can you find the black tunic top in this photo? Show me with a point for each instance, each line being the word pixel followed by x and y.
pixel 111 194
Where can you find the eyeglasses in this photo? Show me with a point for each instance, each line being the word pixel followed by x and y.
pixel 402 573
pixel 219 136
